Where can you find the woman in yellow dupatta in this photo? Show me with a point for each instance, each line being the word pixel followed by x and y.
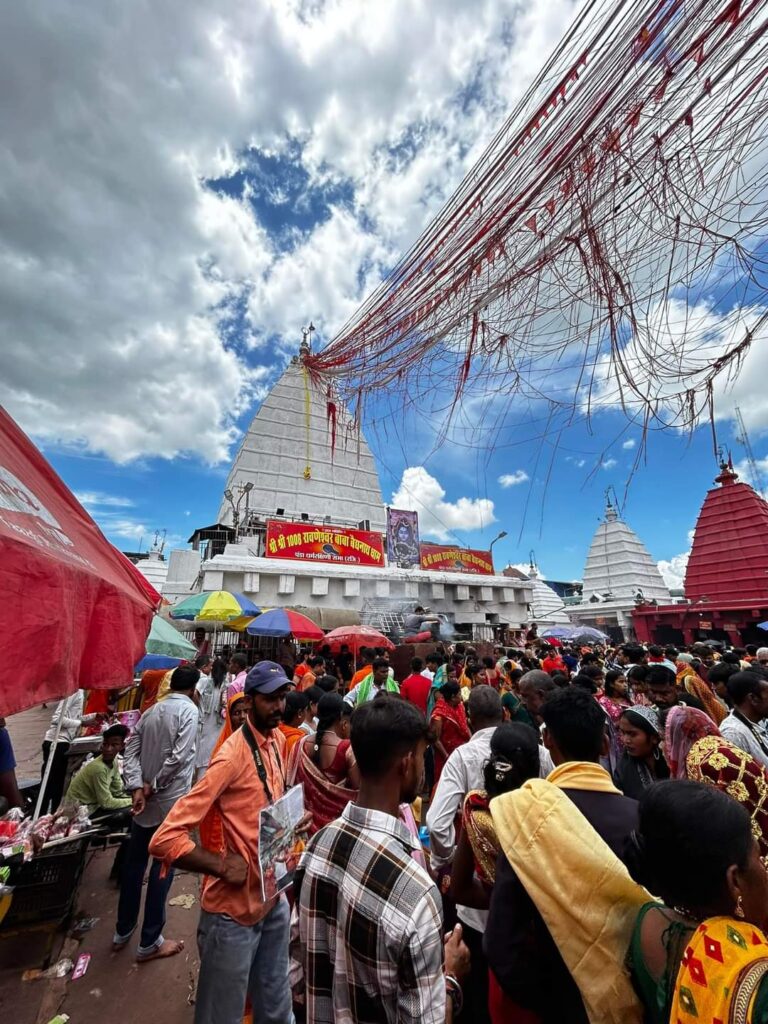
pixel 702 955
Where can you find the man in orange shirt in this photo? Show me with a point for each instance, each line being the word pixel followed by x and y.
pixel 243 941
pixel 316 667
pixel 366 667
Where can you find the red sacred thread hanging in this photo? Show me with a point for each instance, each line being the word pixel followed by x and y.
pixel 609 247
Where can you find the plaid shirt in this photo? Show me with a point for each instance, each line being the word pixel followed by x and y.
pixel 367 926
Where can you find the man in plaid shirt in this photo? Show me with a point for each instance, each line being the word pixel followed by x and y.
pixel 369 943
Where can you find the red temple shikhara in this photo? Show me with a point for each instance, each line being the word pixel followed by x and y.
pixel 726 581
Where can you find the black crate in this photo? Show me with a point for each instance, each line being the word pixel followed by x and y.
pixel 45 887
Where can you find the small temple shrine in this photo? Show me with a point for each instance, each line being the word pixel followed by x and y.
pixel 726 580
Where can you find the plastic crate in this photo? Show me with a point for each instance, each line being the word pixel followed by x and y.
pixel 45 887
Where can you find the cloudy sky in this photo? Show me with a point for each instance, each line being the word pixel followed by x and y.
pixel 183 187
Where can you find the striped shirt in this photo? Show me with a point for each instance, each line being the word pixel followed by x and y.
pixel 369 925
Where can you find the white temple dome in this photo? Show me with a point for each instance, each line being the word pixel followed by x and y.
pixel 297 467
pixel 619 566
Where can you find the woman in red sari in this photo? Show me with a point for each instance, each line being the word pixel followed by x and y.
pixel 324 763
pixel 449 722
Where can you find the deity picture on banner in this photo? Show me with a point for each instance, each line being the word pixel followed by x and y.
pixel 403 538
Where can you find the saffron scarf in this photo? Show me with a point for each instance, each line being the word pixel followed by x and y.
pixel 590 903
pixel 211 830
pixel 720 974
pixel 292 736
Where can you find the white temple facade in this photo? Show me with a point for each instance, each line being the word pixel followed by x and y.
pixel 618 575
pixel 289 469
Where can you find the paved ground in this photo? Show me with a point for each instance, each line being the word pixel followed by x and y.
pixel 115 987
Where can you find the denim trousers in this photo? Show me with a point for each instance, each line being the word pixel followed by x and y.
pixel 134 864
pixel 244 960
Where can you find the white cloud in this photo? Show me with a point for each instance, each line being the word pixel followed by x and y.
pixel 127 529
pixel 629 444
pixel 746 475
pixel 673 569
pixel 608 463
pixel 695 336
pixel 513 479
pixel 420 491
pixel 97 499
pixel 121 273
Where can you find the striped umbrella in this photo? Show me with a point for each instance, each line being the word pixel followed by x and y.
pixel 285 622
pixel 214 606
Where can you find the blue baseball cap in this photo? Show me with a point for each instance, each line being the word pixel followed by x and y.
pixel 265 677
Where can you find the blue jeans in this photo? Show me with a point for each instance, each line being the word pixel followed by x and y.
pixel 134 865
pixel 239 960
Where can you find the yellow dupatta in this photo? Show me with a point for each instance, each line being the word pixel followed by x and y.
pixel 589 903
pixel 720 974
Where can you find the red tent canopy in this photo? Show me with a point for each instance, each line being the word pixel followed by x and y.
pixel 75 611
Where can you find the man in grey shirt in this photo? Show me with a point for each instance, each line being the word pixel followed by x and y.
pixel 159 764
pixel 749 695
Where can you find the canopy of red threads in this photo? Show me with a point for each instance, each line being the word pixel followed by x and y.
pixel 627 187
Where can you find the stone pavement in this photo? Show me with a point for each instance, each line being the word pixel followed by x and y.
pixel 115 987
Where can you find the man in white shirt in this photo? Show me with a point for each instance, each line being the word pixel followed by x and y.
pixel 463 771
pixel 749 695
pixel 159 765
pixel 209 706
pixel 70 711
pixel 380 680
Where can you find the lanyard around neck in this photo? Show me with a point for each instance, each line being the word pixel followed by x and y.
pixel 258 760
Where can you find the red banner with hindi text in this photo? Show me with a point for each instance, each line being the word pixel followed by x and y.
pixel 443 558
pixel 308 542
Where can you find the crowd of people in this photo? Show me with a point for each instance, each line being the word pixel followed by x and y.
pixel 537 835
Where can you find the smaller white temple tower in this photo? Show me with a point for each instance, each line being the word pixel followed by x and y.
pixel 618 575
pixel 547 608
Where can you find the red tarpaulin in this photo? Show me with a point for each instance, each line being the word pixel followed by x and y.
pixel 75 611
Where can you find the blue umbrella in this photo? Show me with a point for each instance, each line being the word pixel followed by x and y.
pixel 561 632
pixel 157 661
